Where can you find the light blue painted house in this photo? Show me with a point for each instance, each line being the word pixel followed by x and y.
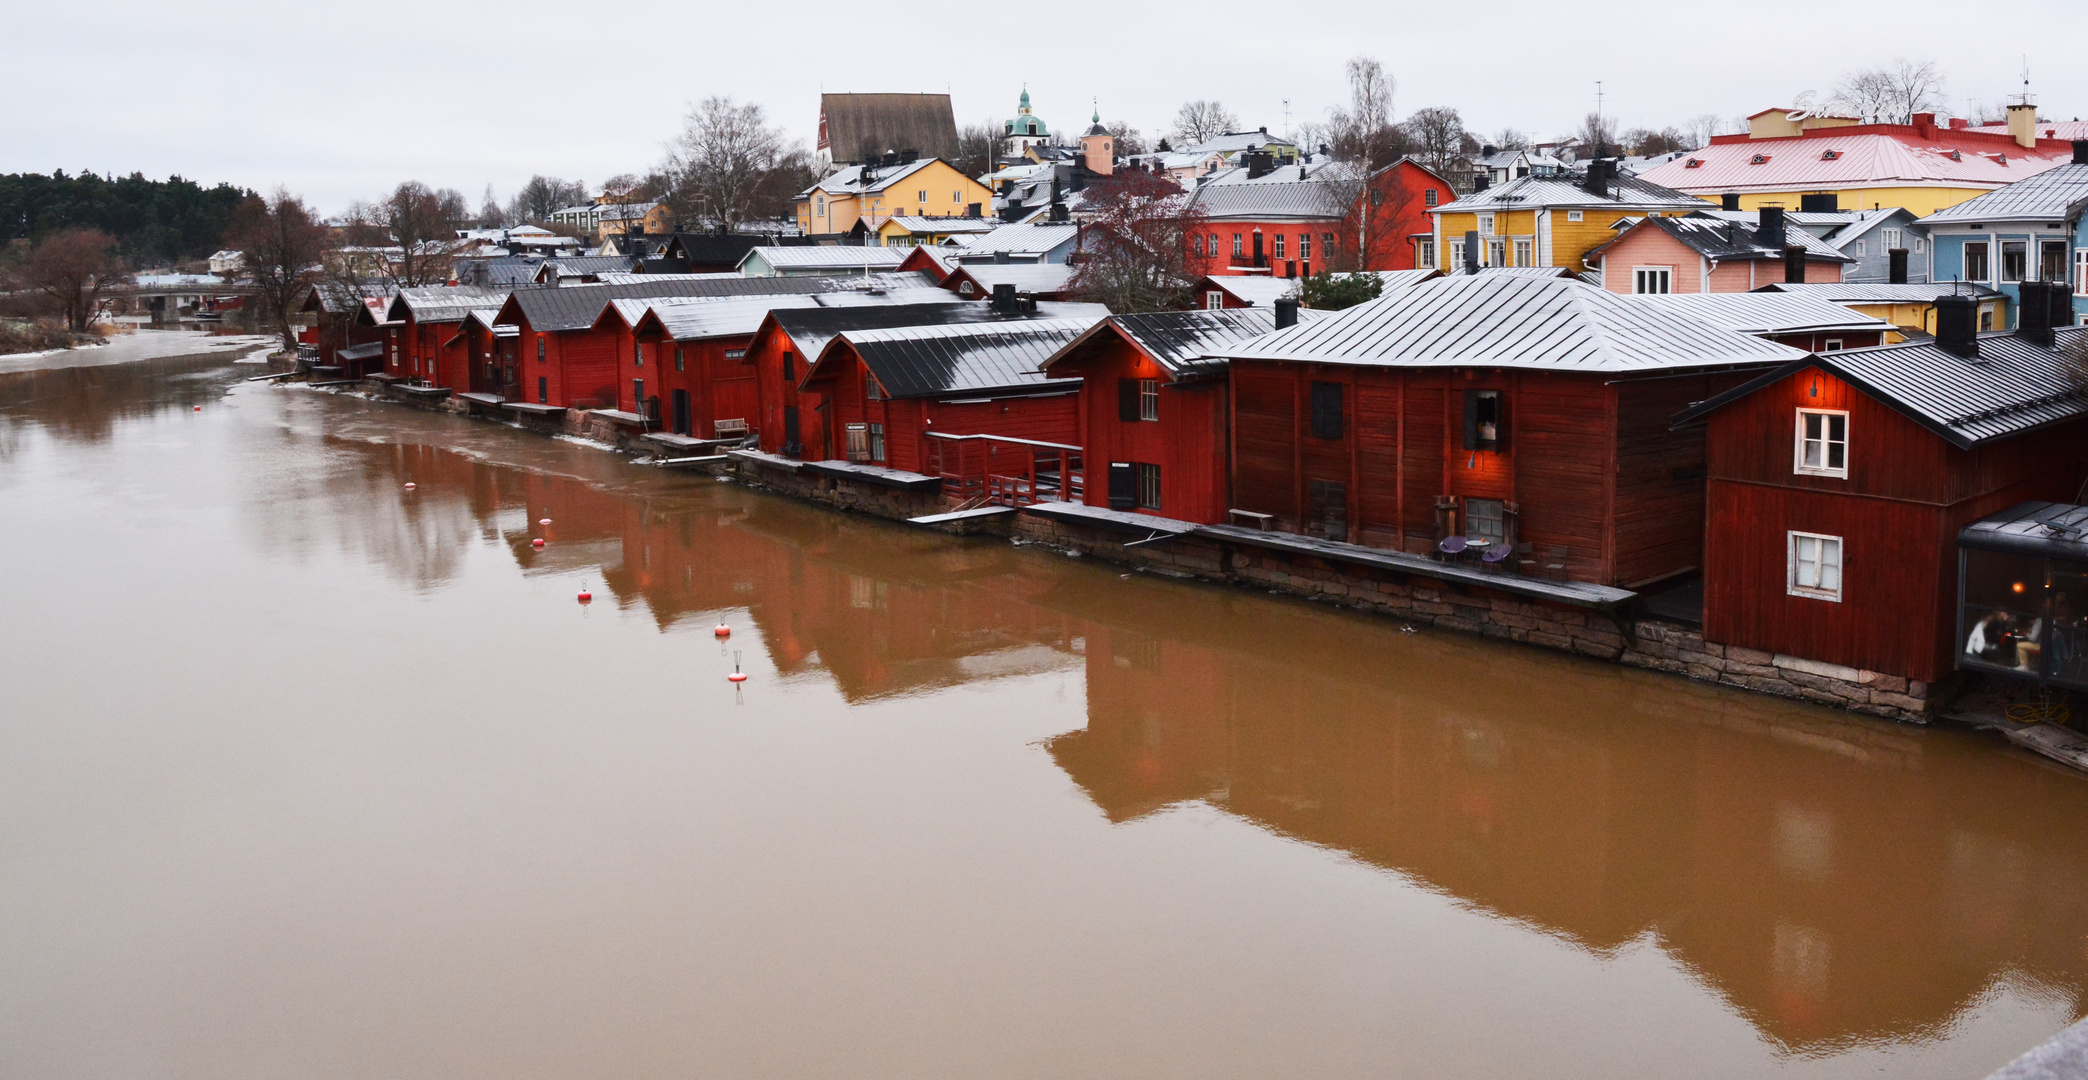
pixel 2031 230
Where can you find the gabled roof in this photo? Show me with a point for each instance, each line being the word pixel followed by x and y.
pixel 1256 200
pixel 826 257
pixel 589 265
pixel 690 318
pixel 1258 290
pixel 810 331
pixel 1232 142
pixel 554 308
pixel 1035 239
pixel 1555 324
pixel 1868 155
pixel 1184 343
pixel 850 181
pixel 944 224
pixel 2013 387
pixel 930 361
pixel 335 298
pixel 1878 292
pixel 1030 278
pixel 1766 312
pixel 445 303
pixel 859 127
pixel 1730 241
pixel 2050 196
pixel 1626 194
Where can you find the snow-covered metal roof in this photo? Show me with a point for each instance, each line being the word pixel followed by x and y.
pixel 1494 320
pixel 1766 312
pixel 2050 196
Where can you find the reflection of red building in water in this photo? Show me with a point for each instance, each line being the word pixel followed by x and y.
pixel 1603 822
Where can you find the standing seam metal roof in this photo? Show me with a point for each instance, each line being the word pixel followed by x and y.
pixel 2052 195
pixel 1182 342
pixel 553 308
pixel 1508 321
pixel 2014 386
pixel 928 361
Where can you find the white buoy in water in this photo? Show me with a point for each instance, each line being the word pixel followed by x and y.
pixel 409 486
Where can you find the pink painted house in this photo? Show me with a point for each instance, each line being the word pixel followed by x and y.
pixel 1704 254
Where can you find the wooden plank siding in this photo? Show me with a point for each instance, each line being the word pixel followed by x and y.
pixel 1053 417
pixel 1187 442
pixel 1590 464
pixel 1898 513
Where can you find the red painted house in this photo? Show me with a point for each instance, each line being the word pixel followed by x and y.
pixel 345 330
pixel 968 402
pixel 1037 281
pixel 1298 219
pixel 568 361
pixel 1154 406
pixel 1527 412
pixel 1838 484
pixel 429 348
pixel 1703 254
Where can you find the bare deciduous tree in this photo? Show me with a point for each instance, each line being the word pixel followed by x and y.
pixel 1135 252
pixel 73 267
pixel 282 242
pixel 1436 137
pixel 1129 140
pixel 977 148
pixel 1508 138
pixel 1362 131
pixel 422 224
pixel 490 215
pixel 1701 128
pixel 1199 120
pixel 728 164
pixel 542 196
pixel 1891 93
pixel 1645 142
pixel 1597 136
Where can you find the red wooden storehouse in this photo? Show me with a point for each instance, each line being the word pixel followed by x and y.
pixel 1531 413
pixel 429 349
pixel 967 402
pixel 346 329
pixel 1838 484
pixel 1154 405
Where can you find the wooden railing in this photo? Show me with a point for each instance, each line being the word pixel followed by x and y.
pixel 1005 471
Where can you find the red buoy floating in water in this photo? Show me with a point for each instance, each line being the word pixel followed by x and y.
pixel 537 543
pixel 199 408
pixel 737 675
pixel 585 596
pixel 722 631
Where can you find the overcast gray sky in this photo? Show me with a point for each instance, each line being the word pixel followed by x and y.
pixel 340 101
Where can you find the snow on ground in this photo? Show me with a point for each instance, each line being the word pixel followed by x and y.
pixel 144 345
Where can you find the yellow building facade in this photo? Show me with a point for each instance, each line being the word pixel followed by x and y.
pixel 930 188
pixel 1539 222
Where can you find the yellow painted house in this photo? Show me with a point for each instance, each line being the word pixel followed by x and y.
pixel 875 194
pixel 1806 161
pixel 1908 307
pixel 1551 221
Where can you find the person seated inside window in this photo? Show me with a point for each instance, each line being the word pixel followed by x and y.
pixel 1992 639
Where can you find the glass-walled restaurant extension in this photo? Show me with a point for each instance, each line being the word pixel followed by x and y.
pixel 2022 592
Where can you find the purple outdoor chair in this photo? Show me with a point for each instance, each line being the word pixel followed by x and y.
pixel 1452 547
pixel 1496 555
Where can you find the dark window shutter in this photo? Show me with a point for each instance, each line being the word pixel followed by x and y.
pixel 789 368
pixel 1326 410
pixel 1123 479
pixel 1471 427
pixel 1127 399
pixel 1501 422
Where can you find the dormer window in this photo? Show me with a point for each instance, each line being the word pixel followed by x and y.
pixel 1759 159
pixel 1692 163
pixel 1830 155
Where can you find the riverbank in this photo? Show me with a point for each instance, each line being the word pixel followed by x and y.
pixel 142 345
pixel 1587 620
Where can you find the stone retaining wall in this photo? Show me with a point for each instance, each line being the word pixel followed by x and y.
pixel 1645 643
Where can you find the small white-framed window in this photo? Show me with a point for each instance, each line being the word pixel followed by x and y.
pixel 1891 238
pixel 1525 253
pixel 1823 443
pixel 1430 198
pixel 1486 224
pixel 1214 300
pixel 1149 399
pixel 1574 215
pixel 2015 260
pixel 1652 279
pixel 1815 566
pixel 1834 344
pixel 1424 254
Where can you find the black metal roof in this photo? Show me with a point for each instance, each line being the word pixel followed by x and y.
pixel 553 308
pixel 714 249
pixel 811 331
pixel 932 361
pixel 1179 340
pixel 2015 385
pixel 2032 528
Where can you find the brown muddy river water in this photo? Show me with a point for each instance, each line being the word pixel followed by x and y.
pixel 303 774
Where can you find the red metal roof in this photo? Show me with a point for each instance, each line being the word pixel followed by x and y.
pixel 1864 155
